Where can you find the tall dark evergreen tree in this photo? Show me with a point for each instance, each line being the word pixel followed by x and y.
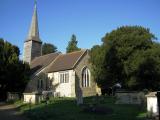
pixel 14 74
pixel 72 45
pixel 48 48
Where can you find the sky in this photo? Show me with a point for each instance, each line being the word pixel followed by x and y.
pixel 89 20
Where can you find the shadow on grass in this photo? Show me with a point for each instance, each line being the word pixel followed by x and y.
pixel 66 109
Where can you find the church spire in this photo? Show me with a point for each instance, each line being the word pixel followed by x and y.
pixel 33 44
pixel 34 31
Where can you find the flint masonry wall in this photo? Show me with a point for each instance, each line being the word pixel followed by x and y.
pixel 84 62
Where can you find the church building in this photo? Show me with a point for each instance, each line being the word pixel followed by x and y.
pixel 62 75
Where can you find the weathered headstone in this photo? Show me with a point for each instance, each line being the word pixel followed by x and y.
pixel 78 91
pixel 79 97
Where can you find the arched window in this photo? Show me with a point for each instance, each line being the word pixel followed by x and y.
pixel 41 83
pixel 85 77
pixel 38 84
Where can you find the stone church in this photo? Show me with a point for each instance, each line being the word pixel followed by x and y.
pixel 63 75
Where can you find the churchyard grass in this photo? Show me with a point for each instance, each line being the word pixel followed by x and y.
pixel 66 109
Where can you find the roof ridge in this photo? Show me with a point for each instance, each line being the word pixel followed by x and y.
pixel 47 54
pixel 43 56
pixel 82 50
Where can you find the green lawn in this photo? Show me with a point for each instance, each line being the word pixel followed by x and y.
pixel 66 109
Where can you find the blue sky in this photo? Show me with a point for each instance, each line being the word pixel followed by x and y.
pixel 89 20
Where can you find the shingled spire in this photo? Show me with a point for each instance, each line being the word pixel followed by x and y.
pixel 33 44
pixel 34 31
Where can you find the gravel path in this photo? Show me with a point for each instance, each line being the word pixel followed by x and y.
pixel 9 112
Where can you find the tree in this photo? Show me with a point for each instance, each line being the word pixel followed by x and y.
pixel 48 48
pixel 72 45
pixel 148 72
pixel 125 58
pixel 14 74
pixel 97 53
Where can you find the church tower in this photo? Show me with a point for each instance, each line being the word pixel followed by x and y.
pixel 33 44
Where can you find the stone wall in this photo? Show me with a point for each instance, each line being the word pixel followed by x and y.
pixel 130 97
pixel 64 89
pixel 13 96
pixel 84 62
pixel 32 85
pixel 32 98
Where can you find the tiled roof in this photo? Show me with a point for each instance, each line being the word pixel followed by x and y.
pixel 65 61
pixel 41 62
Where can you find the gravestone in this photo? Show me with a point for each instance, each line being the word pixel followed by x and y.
pixel 13 96
pixel 79 97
